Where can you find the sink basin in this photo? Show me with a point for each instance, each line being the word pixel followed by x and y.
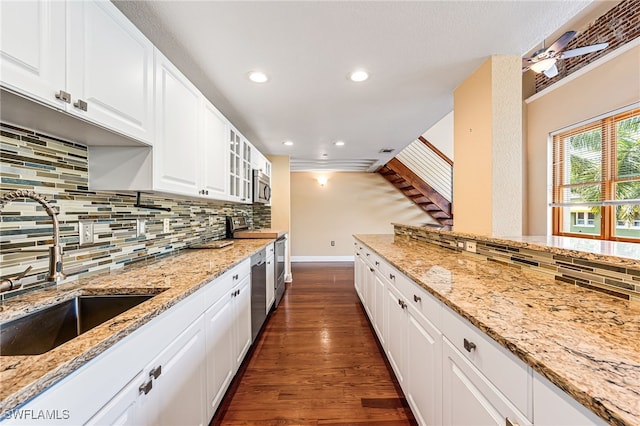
pixel 43 330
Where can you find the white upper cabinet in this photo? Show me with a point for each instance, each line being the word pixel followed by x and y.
pixel 214 153
pixel 33 50
pixel 176 152
pixel 240 174
pixel 82 57
pixel 110 68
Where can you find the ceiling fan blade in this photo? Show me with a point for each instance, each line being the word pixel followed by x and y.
pixel 583 50
pixel 552 72
pixel 562 42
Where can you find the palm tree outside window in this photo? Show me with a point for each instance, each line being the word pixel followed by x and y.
pixel 596 179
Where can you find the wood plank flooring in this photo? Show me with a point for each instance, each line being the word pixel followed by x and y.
pixel 317 361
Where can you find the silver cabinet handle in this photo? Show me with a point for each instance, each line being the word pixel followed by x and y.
pixel 377 263
pixel 80 104
pixel 417 298
pixel 508 422
pixel 392 277
pixel 156 372
pixel 371 269
pixel 64 96
pixel 146 387
pixel 469 346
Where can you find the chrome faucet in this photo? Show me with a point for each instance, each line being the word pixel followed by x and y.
pixel 55 251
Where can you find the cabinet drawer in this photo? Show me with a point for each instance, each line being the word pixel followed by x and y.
pixel 224 283
pixel 424 303
pixel 501 367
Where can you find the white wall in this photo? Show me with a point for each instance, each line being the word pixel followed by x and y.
pixel 441 135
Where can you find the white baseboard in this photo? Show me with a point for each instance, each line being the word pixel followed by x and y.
pixel 321 259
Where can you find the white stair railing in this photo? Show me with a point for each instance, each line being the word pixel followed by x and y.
pixel 429 166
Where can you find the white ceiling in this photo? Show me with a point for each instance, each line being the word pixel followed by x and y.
pixel 416 52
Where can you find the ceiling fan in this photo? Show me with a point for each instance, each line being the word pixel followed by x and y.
pixel 544 60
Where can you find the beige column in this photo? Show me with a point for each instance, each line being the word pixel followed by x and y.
pixel 281 201
pixel 488 150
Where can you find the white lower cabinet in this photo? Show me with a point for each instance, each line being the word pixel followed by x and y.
pixel 469 398
pixel 554 407
pixel 450 372
pixel 424 371
pixel 173 370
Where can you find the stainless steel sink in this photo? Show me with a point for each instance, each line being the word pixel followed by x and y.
pixel 43 330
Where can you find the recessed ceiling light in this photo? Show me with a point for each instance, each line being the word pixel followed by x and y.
pixel 258 77
pixel 339 143
pixel 287 143
pixel 359 76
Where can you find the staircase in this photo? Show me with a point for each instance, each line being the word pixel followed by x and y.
pixel 424 175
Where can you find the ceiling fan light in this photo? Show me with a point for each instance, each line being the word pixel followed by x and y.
pixel 542 66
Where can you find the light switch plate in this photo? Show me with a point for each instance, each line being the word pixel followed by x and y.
pixel 85 229
pixel 141 227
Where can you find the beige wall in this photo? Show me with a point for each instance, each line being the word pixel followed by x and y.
pixel 612 85
pixel 488 172
pixel 350 203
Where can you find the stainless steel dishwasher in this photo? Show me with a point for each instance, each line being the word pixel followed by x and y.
pixel 258 291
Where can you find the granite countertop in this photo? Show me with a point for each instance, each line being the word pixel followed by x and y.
pixel 172 278
pixel 584 341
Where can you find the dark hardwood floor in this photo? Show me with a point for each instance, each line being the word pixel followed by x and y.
pixel 317 361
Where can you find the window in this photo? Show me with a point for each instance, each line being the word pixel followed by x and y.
pixel 596 179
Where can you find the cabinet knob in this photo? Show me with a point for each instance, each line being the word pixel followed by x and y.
pixel 392 277
pixel 417 298
pixel 80 104
pixel 156 372
pixel 368 254
pixel 64 96
pixel 371 269
pixel 235 277
pixel 469 346
pixel 377 263
pixel 146 387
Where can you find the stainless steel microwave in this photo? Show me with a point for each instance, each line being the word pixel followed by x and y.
pixel 261 187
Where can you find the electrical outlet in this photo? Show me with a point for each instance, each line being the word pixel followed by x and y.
pixel 85 229
pixel 333 243
pixel 461 244
pixel 211 221
pixel 471 246
pixel 166 226
pixel 141 227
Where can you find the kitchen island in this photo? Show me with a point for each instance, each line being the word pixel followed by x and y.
pixel 583 341
pixel 172 279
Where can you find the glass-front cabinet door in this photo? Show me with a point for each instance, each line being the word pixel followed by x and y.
pixel 235 161
pixel 246 171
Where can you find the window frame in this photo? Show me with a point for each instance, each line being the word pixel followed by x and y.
pixel 608 179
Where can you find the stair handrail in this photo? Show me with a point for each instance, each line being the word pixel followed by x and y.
pixel 436 150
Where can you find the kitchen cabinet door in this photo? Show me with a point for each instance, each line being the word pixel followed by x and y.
pixel 221 359
pixel 176 152
pixel 124 408
pixel 469 398
pixel 178 393
pixel 554 407
pixel 32 49
pixel 214 149
pixel 242 318
pixel 424 369
pixel 379 289
pixel 396 326
pixel 110 68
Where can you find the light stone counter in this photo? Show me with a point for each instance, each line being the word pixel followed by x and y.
pixel 585 342
pixel 172 278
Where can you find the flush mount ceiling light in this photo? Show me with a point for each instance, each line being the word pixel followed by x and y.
pixel 258 77
pixel 339 143
pixel 287 143
pixel 358 76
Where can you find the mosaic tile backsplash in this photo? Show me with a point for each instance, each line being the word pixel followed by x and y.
pixel 614 280
pixel 58 170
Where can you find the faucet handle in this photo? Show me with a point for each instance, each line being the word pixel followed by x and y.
pixel 8 283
